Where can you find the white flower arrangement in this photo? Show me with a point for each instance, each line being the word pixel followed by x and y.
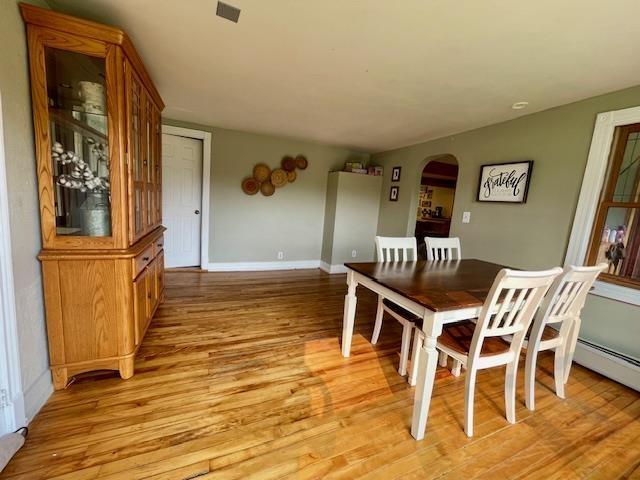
pixel 81 176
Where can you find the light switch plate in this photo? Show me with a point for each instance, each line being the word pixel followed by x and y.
pixel 466 217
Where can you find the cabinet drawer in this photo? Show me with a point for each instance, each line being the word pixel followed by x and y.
pixel 142 260
pixel 158 245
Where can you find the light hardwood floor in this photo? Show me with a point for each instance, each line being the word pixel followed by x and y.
pixel 240 376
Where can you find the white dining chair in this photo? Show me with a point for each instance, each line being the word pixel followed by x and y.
pixel 396 249
pixel 508 310
pixel 560 308
pixel 443 248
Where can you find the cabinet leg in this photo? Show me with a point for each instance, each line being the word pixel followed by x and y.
pixel 125 366
pixel 60 378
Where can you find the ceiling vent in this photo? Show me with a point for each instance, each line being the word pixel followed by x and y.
pixel 227 11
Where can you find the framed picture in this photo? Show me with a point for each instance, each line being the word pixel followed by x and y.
pixel 393 194
pixel 505 182
pixel 395 174
pixel 429 194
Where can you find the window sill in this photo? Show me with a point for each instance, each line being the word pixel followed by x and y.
pixel 616 292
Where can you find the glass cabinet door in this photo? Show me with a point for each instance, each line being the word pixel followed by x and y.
pixel 150 170
pixel 158 158
pixel 136 155
pixel 79 143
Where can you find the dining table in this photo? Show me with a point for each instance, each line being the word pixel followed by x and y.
pixel 439 292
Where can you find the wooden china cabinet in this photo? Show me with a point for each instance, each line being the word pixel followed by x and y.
pixel 96 117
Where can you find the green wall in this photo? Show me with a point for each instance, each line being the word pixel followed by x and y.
pixel 351 218
pixel 255 228
pixel 23 206
pixel 533 235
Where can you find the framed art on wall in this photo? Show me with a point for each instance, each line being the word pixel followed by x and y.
pixel 393 194
pixel 505 182
pixel 395 174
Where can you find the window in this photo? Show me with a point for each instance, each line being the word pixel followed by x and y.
pixel 615 237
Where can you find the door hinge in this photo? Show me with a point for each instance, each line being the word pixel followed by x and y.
pixel 4 398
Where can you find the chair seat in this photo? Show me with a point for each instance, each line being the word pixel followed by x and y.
pixel 458 336
pixel 407 315
pixel 547 334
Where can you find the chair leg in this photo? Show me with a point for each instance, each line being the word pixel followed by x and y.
pixel 533 348
pixel 378 325
pixel 469 392
pixel 415 356
pixel 457 365
pixel 530 378
pixel 510 391
pixel 407 328
pixel 558 370
pixel 570 349
pixel 442 359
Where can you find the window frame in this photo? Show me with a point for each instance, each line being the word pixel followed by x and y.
pixel 590 200
pixel 618 146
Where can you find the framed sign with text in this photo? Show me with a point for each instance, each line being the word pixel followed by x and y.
pixel 505 182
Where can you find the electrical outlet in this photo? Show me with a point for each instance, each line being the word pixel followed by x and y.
pixel 354 253
pixel 466 217
pixel 280 255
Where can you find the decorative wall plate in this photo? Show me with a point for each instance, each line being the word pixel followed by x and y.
pixel 291 176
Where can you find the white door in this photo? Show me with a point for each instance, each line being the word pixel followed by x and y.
pixel 181 199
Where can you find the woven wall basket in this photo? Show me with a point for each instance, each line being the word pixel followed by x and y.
pixel 288 163
pixel 267 189
pixel 261 172
pixel 301 162
pixel 250 186
pixel 279 178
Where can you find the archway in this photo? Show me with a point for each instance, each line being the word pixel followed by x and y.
pixel 435 198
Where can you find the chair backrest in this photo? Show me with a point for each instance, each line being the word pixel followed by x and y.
pixel 510 306
pixel 442 248
pixel 395 249
pixel 568 293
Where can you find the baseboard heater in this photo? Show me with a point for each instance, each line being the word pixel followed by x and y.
pixel 611 364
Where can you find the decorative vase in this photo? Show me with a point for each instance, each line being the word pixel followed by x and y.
pixel 96 218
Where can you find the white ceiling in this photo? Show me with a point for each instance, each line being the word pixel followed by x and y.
pixel 372 74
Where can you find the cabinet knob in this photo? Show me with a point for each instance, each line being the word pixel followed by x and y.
pixel 197 212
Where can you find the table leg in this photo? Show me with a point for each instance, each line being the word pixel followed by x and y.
pixel 428 360
pixel 348 319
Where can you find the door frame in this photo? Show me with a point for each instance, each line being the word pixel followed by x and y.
pixel 206 184
pixel 12 416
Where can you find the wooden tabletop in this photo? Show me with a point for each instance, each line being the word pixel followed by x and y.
pixel 436 285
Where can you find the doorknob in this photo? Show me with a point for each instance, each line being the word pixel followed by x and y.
pixel 197 212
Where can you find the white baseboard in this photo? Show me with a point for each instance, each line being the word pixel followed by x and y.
pixel 609 365
pixel 324 266
pixel 13 413
pixel 37 394
pixel 261 266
